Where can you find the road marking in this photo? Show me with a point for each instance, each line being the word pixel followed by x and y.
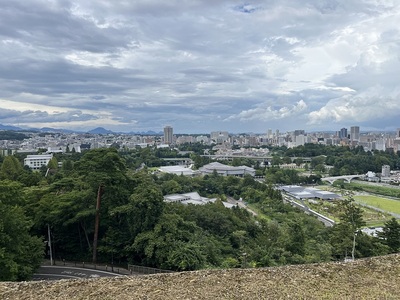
pixel 76 268
pixel 56 275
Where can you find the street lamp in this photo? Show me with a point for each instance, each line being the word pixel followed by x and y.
pixel 50 248
pixel 244 254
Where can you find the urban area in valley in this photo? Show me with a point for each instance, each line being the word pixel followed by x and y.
pixel 177 202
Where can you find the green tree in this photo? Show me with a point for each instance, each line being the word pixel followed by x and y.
pixel 20 253
pixel 171 245
pixel 296 242
pixel 345 233
pixel 144 207
pixel 299 161
pixel 10 168
pixel 53 164
pixel 391 234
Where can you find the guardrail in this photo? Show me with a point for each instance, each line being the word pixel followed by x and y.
pixel 131 270
pixel 146 270
pixel 87 265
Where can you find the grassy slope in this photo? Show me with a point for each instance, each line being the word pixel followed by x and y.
pixel 385 204
pixel 373 278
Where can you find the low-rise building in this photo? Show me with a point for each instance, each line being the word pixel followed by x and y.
pixel 308 192
pixel 193 198
pixel 226 170
pixel 178 170
pixel 35 162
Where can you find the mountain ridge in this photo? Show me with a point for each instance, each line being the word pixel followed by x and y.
pixel 97 130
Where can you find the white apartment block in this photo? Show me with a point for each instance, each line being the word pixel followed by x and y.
pixel 35 162
pixel 219 136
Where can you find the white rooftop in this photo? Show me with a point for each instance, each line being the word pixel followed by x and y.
pixel 178 170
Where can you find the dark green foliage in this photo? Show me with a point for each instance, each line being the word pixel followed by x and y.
pixel 391 235
pixel 173 244
pixel 12 135
pixel 345 235
pixel 137 226
pixel 11 168
pixel 20 253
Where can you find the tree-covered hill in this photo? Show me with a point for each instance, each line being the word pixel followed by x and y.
pixel 12 135
pixel 99 208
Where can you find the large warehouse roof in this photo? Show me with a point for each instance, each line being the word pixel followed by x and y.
pixel 308 192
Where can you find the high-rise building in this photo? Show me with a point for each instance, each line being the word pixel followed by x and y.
pixel 299 132
pixel 354 133
pixel 168 135
pixel 219 136
pixel 269 134
pixel 300 140
pixel 343 133
pixel 398 133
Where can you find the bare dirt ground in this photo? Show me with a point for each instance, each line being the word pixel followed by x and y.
pixel 374 278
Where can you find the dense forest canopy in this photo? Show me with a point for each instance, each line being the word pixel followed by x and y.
pixel 136 226
pixel 12 135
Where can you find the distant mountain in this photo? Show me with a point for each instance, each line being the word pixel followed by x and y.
pixel 100 130
pixel 58 130
pixel 9 127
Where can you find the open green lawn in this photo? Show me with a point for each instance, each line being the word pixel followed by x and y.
pixel 385 204
pixel 329 209
pixel 391 191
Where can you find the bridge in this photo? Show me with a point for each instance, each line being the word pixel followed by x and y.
pixel 264 158
pixel 179 161
pixel 347 178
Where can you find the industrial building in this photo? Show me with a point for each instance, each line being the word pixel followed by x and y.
pixel 226 170
pixel 308 193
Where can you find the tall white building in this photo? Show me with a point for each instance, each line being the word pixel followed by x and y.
pixel 220 136
pixel 380 144
pixel 269 134
pixel 35 162
pixel 385 171
pixel 300 140
pixel 168 135
pixel 354 133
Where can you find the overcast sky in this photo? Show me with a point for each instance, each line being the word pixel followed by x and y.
pixel 200 66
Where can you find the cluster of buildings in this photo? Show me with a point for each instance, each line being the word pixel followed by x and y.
pixel 224 143
pixel 386 176
pixel 352 137
pixel 220 169
pixel 222 140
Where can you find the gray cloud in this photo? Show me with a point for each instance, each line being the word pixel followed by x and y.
pixel 32 116
pixel 199 66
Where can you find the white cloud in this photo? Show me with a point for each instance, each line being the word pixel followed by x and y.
pixel 148 63
pixel 370 105
pixel 270 112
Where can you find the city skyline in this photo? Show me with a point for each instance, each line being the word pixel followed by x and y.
pixel 200 66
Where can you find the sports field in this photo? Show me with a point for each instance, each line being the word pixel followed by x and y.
pixel 388 205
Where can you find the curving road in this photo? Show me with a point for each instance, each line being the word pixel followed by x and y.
pixel 66 272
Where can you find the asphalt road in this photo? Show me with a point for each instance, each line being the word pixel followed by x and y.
pixel 66 272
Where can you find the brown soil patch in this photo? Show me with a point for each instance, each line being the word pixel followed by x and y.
pixel 374 278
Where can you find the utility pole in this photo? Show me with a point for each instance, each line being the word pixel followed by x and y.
pixel 97 222
pixel 50 248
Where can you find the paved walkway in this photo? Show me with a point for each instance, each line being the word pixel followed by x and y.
pixel 100 267
pixel 241 204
